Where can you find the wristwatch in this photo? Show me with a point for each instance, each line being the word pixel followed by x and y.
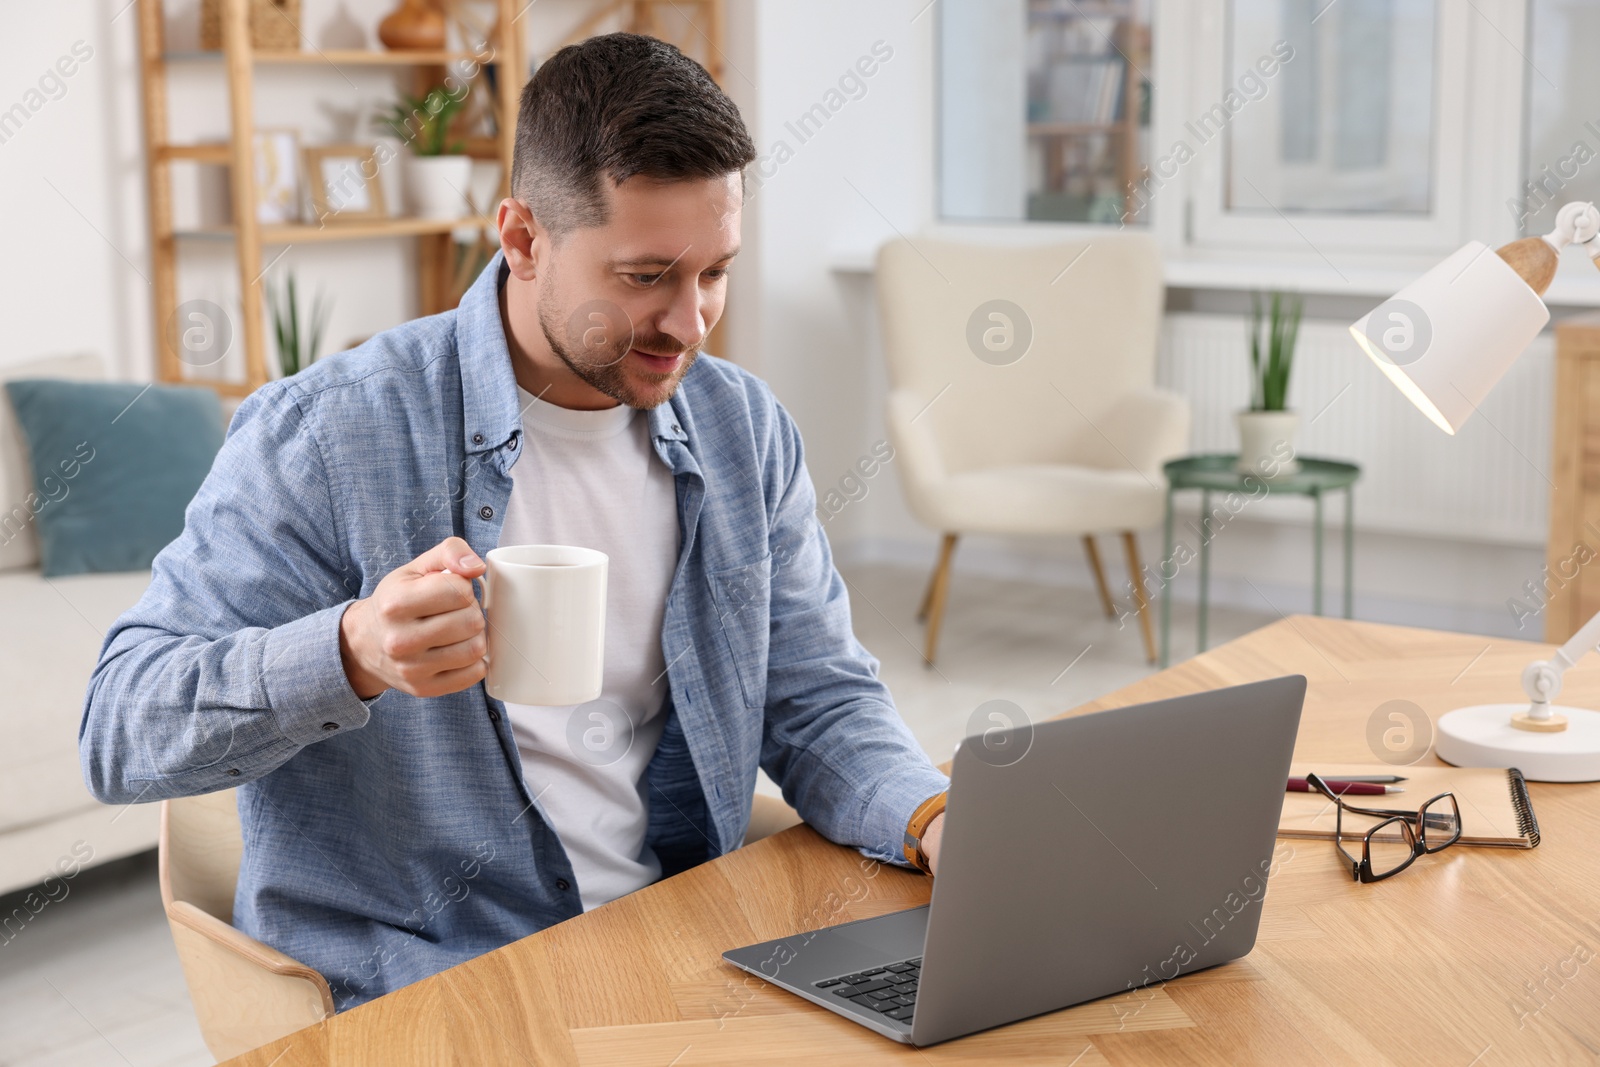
pixel 925 813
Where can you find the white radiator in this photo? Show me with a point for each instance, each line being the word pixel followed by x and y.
pixel 1490 482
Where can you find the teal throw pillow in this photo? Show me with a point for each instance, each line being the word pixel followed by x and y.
pixel 114 466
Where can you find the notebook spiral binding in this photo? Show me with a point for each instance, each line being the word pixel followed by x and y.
pixel 1527 822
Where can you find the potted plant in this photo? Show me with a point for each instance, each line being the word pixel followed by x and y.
pixel 1267 429
pixel 437 174
pixel 298 340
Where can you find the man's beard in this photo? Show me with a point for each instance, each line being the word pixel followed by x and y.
pixel 602 365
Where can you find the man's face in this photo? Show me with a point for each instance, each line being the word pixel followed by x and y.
pixel 627 305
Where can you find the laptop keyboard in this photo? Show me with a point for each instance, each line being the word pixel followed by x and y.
pixel 891 990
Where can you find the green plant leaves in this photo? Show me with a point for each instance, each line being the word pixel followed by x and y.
pixel 297 348
pixel 1269 369
pixel 424 122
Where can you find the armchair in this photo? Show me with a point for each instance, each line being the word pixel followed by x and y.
pixel 1066 436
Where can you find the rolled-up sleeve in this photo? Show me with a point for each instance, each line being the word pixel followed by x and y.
pixel 230 664
pixel 833 739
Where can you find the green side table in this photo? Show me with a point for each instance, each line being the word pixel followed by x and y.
pixel 1217 474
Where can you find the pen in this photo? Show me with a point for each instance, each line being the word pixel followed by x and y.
pixel 1345 787
pixel 1381 779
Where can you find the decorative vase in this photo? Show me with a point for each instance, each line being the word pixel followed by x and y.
pixel 1266 443
pixel 414 26
pixel 437 186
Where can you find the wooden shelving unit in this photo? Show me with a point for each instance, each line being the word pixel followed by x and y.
pixel 1086 151
pixel 304 233
pixel 439 286
pixel 368 57
pixel 694 26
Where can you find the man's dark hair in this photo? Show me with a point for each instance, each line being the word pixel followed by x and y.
pixel 624 106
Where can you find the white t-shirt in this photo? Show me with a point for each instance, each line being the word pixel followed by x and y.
pixel 592 479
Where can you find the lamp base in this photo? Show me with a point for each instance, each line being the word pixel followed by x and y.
pixel 1482 736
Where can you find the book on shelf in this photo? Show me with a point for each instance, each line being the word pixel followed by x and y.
pixel 1081 92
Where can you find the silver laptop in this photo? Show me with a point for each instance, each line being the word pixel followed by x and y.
pixel 1081 857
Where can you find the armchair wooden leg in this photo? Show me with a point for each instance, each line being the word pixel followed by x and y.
pixel 927 595
pixel 938 588
pixel 1091 550
pixel 1136 577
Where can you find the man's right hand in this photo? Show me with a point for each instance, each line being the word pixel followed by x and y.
pixel 421 631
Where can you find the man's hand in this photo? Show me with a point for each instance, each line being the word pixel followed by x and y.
pixel 930 842
pixel 421 631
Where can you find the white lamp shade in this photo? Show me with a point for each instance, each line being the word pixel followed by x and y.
pixel 1449 336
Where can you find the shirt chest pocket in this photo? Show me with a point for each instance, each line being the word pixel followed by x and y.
pixel 743 599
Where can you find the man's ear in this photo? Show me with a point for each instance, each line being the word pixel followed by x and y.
pixel 524 241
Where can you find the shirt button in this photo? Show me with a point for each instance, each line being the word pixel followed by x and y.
pixel 563 885
pixel 486 512
pixel 330 726
pixel 233 772
pixel 477 438
pixel 494 716
pixel 512 443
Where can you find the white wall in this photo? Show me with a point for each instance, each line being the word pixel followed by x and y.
pixel 75 263
pixel 842 190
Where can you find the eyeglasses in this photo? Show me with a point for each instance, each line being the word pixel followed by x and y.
pixel 1393 844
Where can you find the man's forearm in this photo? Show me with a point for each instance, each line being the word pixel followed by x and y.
pixel 171 715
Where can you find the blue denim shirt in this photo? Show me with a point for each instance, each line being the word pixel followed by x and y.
pixel 388 839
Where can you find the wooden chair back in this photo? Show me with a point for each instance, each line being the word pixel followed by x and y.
pixel 245 993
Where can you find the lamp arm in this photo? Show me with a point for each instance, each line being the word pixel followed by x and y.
pixel 1541 679
pixel 1535 258
pixel 1577 223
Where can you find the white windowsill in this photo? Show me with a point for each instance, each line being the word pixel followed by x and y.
pixel 1577 284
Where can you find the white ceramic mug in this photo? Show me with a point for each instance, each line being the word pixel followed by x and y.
pixel 546 606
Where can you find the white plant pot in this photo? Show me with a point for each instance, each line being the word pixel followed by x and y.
pixel 437 186
pixel 1266 443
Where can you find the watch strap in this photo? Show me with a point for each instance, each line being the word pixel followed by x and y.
pixel 926 812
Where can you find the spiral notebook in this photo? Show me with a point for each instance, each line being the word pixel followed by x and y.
pixel 1494 803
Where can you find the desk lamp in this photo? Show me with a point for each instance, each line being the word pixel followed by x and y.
pixel 1444 341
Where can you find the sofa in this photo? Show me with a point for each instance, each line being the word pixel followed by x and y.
pixel 50 636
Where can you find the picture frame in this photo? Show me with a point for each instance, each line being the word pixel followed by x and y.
pixel 344 183
pixel 276 152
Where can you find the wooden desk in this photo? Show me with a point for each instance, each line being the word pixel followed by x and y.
pixel 1432 967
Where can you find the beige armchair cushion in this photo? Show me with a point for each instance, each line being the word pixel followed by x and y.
pixel 1068 439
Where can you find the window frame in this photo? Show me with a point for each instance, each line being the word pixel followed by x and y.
pixel 1477 151
pixel 1487 169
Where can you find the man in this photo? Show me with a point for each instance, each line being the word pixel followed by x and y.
pixel 313 637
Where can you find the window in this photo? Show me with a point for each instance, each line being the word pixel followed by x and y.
pixel 1044 109
pixel 1352 128
pixel 1324 126
pixel 1562 146
pixel 1320 132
